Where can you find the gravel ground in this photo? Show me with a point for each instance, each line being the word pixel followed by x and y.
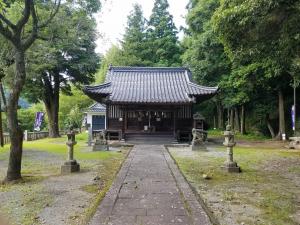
pixel 68 198
pixel 242 201
pixel 46 197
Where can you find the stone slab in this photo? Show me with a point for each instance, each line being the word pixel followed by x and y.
pixel 149 189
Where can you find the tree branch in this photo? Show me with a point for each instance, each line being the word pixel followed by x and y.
pixel 52 14
pixel 29 41
pixel 26 14
pixel 6 32
pixel 8 22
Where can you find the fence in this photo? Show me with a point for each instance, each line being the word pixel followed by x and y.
pixel 28 136
pixel 6 138
pixel 31 136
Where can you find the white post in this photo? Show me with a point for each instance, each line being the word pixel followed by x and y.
pixel 26 135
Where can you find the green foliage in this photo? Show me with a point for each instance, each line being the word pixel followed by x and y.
pixel 262 33
pixel 70 57
pixel 204 53
pixel 74 118
pixel 112 57
pixel 145 44
pixel 72 108
pixel 161 36
pixel 250 49
pixel 134 45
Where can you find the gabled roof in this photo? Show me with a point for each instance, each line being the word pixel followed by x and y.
pixel 96 107
pixel 149 85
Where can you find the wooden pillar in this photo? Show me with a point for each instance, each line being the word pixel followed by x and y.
pixel 126 118
pixel 107 116
pixel 174 121
pixel 123 123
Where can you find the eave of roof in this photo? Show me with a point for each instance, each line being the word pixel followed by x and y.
pixel 96 108
pixel 149 85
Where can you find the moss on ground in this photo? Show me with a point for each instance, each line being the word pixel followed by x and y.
pixel 268 183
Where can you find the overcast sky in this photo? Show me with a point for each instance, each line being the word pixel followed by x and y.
pixel 113 18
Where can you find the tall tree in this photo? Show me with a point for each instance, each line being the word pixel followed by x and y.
pixel 162 40
pixel 204 54
pixel 134 48
pixel 70 58
pixel 20 28
pixel 265 36
pixel 114 56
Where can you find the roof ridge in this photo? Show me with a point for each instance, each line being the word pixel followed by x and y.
pixel 146 68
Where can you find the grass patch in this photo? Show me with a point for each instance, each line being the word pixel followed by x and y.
pixel 277 206
pixel 43 158
pixel 91 188
pixel 29 198
pixel 262 189
pixel 238 136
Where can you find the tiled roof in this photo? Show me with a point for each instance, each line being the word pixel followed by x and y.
pixel 149 85
pixel 96 107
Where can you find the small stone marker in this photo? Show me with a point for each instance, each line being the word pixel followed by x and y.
pixel 198 139
pixel 101 142
pixel 230 165
pixel 70 165
pixel 90 135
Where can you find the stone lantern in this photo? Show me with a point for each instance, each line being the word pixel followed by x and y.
pixel 71 164
pixel 229 142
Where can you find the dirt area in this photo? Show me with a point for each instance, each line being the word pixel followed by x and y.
pixel 46 197
pixel 267 192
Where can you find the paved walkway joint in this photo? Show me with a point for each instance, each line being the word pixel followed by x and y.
pixel 150 190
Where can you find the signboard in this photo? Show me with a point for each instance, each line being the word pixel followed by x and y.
pixel 39 116
pixel 293 118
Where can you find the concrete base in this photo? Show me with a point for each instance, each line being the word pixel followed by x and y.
pixel 70 167
pixel 100 147
pixel 232 167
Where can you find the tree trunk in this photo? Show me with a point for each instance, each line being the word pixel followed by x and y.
pixel 52 114
pixel 281 115
pixel 220 115
pixel 243 120
pixel 270 126
pixel 236 119
pixel 15 131
pixel 51 101
pixel 231 120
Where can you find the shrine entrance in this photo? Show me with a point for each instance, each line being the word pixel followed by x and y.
pixel 149 121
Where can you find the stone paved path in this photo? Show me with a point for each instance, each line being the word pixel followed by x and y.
pixel 150 190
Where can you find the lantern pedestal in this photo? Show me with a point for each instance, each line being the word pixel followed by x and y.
pixel 231 167
pixel 70 167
